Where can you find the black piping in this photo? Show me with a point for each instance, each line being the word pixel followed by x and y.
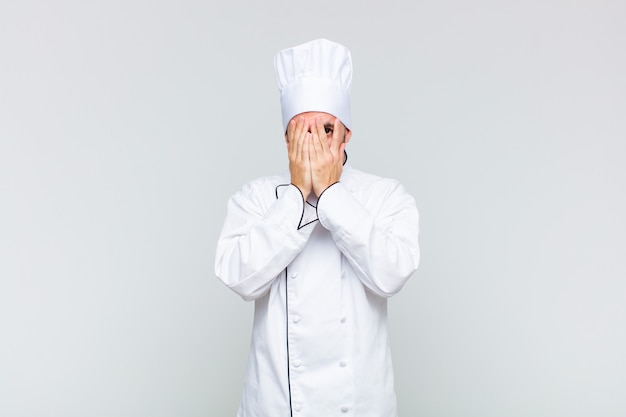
pixel 320 198
pixel 300 225
pixel 287 330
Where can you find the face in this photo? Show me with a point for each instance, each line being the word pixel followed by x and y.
pixel 328 120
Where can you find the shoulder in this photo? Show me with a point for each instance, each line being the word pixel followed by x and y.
pixel 379 194
pixel 263 186
pixel 359 181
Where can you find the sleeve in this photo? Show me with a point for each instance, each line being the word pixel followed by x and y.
pixel 382 247
pixel 256 244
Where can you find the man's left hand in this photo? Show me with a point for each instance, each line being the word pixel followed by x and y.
pixel 326 159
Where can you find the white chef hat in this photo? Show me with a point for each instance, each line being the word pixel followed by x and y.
pixel 315 76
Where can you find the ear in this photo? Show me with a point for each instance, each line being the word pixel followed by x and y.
pixel 348 136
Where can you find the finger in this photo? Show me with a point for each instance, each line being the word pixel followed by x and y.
pixel 306 146
pixel 321 135
pixel 304 128
pixel 339 132
pixel 303 134
pixel 291 127
pixel 297 131
pixel 342 148
pixel 315 146
pixel 297 141
pixel 304 141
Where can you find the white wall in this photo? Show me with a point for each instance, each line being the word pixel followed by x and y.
pixel 126 125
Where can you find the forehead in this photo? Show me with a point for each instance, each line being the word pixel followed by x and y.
pixel 316 115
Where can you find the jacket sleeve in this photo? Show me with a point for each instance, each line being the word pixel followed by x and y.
pixel 381 241
pixel 257 243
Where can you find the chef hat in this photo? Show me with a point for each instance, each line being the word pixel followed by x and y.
pixel 315 76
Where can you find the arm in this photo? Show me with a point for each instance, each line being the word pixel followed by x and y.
pixel 381 240
pixel 381 246
pixel 257 243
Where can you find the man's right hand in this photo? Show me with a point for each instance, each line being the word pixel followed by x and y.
pixel 298 142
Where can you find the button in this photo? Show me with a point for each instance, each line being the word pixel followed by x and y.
pixel 294 275
pixel 343 320
pixel 296 319
pixel 298 407
pixel 297 363
pixel 344 409
pixel 342 364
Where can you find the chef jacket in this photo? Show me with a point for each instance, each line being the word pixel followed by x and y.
pixel 320 273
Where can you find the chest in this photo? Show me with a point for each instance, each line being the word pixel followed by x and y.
pixel 315 275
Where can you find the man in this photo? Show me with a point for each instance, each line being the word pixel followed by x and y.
pixel 320 249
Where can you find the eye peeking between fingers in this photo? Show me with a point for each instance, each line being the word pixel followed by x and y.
pixel 328 128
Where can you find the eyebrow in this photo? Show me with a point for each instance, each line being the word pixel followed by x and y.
pixel 329 125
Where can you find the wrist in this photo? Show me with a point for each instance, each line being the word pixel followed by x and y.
pixel 326 188
pixel 303 190
pixel 323 187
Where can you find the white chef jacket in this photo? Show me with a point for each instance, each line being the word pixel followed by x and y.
pixel 320 273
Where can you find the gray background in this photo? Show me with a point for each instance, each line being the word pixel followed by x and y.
pixel 126 125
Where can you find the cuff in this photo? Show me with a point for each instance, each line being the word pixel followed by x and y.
pixel 338 211
pixel 293 196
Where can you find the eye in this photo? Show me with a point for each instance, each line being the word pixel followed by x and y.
pixel 328 129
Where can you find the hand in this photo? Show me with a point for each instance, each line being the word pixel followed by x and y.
pixel 326 158
pixel 298 145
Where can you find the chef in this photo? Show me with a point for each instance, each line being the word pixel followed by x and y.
pixel 319 248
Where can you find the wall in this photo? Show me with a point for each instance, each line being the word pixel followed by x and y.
pixel 125 127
